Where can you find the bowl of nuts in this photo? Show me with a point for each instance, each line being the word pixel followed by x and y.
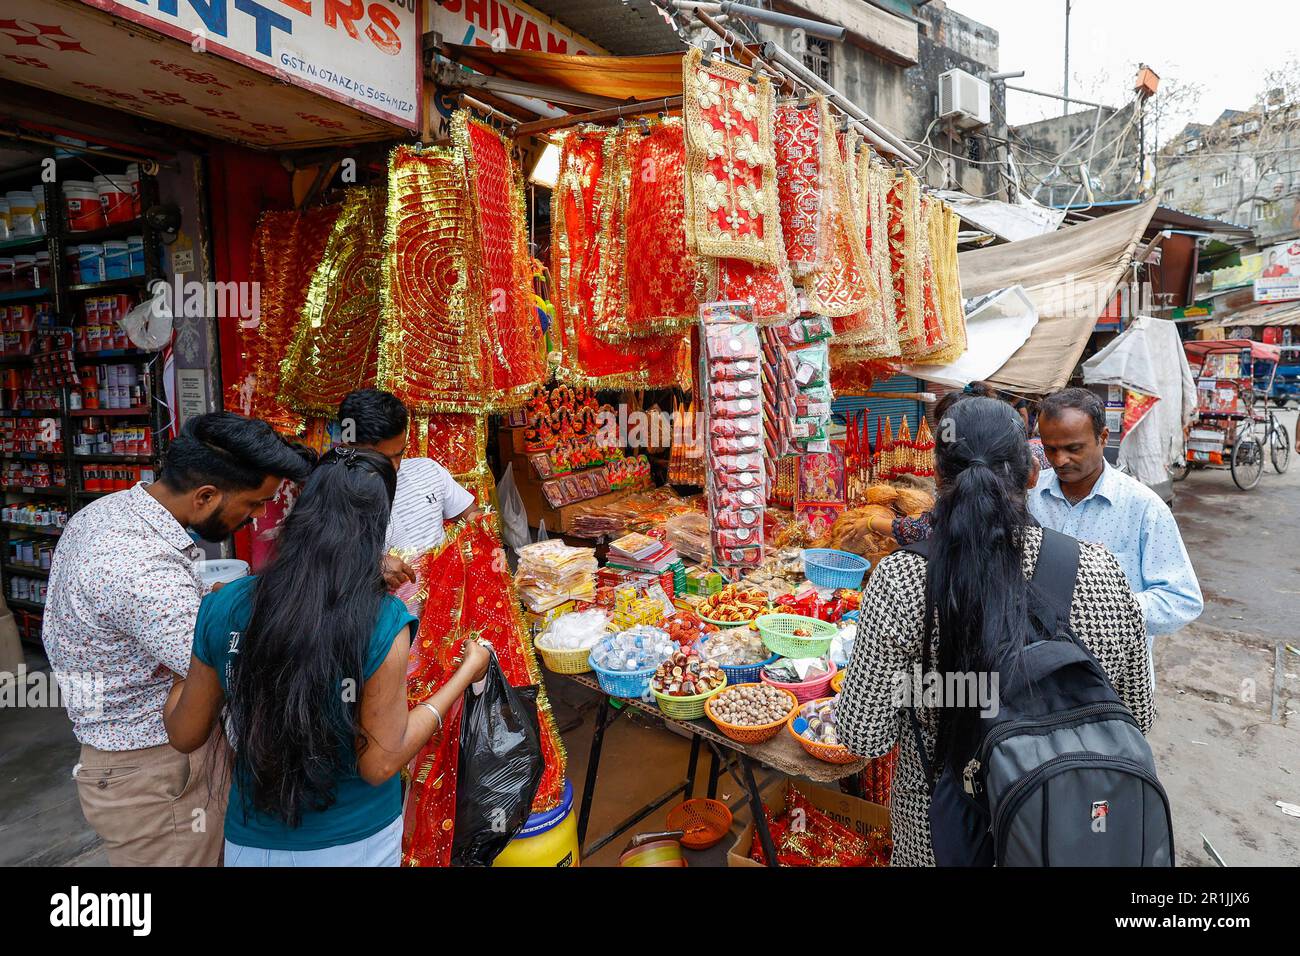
pixel 751 713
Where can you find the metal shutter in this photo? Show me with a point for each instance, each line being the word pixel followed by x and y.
pixel 892 408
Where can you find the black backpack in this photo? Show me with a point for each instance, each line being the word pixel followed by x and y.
pixel 1061 775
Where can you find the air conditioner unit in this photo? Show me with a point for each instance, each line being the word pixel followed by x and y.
pixel 964 99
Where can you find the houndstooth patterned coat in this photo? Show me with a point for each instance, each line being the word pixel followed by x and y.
pixel 1104 614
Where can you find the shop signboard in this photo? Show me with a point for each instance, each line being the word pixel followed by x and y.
pixel 503 26
pixel 1235 277
pixel 1279 279
pixel 1203 309
pixel 364 54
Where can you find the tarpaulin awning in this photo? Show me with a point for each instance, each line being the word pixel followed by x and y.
pixel 617 77
pixel 1010 221
pixel 1199 348
pixel 1070 276
pixel 996 325
pixel 1146 358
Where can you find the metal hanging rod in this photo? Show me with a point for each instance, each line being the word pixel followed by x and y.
pixel 639 108
pixel 817 28
pixel 877 135
pixel 148 165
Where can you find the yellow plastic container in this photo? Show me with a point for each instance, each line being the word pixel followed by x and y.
pixel 547 839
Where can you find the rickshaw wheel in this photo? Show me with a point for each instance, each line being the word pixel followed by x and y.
pixel 1247 462
pixel 1280 453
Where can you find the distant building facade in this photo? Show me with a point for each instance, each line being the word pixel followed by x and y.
pixel 1244 167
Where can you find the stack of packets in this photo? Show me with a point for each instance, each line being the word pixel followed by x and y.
pixel 635 512
pixel 797 359
pixel 551 573
pixel 803 835
pixel 640 552
pixel 737 470
pixel 633 607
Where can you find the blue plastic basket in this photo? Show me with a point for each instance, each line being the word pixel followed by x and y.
pixel 745 673
pixel 828 568
pixel 630 684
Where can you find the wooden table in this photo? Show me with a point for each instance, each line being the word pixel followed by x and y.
pixel 782 753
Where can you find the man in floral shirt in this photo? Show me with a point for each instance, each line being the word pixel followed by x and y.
pixel 124 594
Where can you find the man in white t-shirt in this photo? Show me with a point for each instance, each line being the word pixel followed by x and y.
pixel 427 495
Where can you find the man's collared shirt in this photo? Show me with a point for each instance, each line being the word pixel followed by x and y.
pixel 1129 519
pixel 123 598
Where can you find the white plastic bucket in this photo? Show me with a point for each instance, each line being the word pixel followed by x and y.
pixel 84 210
pixel 38 193
pixel 115 198
pixel 222 571
pixel 133 178
pixel 22 214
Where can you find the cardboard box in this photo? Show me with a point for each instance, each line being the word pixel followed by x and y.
pixel 858 815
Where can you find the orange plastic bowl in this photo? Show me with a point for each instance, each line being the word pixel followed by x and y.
pixel 704 822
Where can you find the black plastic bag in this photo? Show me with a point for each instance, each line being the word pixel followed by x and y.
pixel 500 768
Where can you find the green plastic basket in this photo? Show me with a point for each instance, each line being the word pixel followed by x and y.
pixel 778 634
pixel 686 708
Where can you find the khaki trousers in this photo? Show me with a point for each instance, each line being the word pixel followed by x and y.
pixel 158 806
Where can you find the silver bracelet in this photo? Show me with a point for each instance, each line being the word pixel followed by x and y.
pixel 433 710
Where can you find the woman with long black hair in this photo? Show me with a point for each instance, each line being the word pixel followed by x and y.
pixel 974 592
pixel 306 664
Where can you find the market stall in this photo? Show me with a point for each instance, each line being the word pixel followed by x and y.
pixel 659 390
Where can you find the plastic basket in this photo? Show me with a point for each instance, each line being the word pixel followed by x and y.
pixel 751 733
pixel 828 568
pixel 685 708
pixel 778 634
pixel 829 753
pixel 577 661
pixel 703 822
pixel 745 673
pixel 631 684
pixel 808 690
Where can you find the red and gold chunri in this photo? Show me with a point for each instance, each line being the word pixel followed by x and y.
pixel 434 352
pixel 801 186
pixel 500 252
pixel 731 196
pixel 476 598
pixel 578 205
pixel 287 247
pixel 333 350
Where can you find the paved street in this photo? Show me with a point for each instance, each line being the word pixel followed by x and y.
pixel 1223 758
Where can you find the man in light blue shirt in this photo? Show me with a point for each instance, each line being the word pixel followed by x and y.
pixel 1088 499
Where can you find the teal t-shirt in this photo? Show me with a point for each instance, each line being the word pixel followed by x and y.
pixel 359 810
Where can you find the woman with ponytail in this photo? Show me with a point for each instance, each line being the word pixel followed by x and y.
pixel 973 590
pixel 305 664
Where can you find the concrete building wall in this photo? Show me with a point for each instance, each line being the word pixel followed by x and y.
pixel 1049 158
pixel 904 96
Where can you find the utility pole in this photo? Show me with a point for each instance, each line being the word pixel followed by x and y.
pixel 1066 92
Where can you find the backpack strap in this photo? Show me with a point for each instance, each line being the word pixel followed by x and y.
pixel 1056 572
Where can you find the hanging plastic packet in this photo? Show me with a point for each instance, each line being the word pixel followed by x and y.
pixel 809 366
pixel 732 369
